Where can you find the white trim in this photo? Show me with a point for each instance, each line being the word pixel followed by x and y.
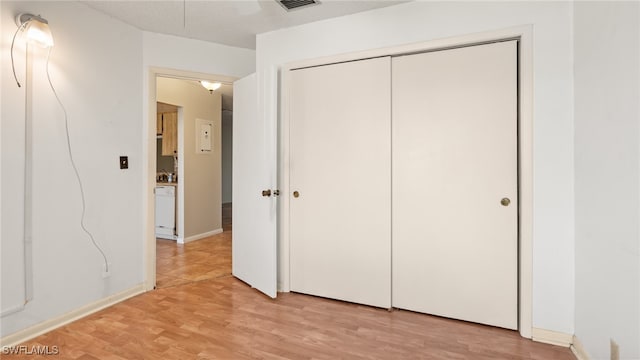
pixel 166 236
pixel 525 35
pixel 551 337
pixel 200 236
pixel 284 284
pixel 578 350
pixel 73 315
pixel 525 177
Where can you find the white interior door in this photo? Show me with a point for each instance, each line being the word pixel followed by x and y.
pixel 340 153
pixel 254 216
pixel 455 246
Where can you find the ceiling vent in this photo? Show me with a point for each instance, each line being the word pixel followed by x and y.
pixel 297 4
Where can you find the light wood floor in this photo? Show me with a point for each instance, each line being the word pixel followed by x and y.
pixel 208 258
pixel 199 260
pixel 223 318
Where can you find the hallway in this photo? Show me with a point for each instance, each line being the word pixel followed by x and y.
pixel 204 259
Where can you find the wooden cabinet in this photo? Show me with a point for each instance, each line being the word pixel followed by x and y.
pixel 169 128
pixel 159 125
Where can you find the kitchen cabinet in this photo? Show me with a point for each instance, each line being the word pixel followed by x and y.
pixel 159 125
pixel 169 133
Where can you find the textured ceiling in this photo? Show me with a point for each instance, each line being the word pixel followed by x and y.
pixel 229 22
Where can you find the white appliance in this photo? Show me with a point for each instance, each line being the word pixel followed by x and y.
pixel 166 212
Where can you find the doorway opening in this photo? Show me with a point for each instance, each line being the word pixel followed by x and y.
pixel 190 241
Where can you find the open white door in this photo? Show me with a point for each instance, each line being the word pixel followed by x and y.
pixel 254 214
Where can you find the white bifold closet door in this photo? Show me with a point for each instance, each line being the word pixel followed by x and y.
pixel 340 167
pixel 455 208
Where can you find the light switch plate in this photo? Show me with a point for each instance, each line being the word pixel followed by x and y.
pixel 124 162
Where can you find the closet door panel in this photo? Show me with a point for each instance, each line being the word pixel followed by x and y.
pixel 340 165
pixel 455 245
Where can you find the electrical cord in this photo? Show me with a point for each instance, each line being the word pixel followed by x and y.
pixel 75 168
pixel 13 41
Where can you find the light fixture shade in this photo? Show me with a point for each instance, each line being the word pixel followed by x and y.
pixel 36 29
pixel 211 86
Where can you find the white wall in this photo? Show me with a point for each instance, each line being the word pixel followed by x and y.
pixel 102 75
pixel 202 172
pixel 227 155
pixel 172 52
pixel 103 97
pixel 607 158
pixel 553 245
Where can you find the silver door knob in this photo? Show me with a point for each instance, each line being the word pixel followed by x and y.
pixel 505 201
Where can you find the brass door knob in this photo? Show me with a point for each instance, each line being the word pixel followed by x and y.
pixel 266 193
pixel 296 194
pixel 505 201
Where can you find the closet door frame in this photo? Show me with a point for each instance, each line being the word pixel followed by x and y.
pixel 524 35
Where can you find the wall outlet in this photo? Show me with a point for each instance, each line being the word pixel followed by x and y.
pixel 615 350
pixel 106 273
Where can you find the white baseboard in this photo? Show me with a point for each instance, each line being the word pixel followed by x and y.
pixel 64 319
pixel 201 236
pixel 551 337
pixel 578 350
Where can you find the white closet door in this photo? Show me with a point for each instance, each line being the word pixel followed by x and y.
pixel 340 164
pixel 455 246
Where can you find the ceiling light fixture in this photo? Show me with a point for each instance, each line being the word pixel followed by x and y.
pixel 37 31
pixel 211 86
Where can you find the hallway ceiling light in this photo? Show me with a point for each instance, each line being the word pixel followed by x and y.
pixel 211 86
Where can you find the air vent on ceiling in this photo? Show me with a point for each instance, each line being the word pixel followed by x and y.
pixel 297 4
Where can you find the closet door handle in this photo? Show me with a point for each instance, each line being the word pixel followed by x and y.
pixel 266 193
pixel 505 201
pixel 296 194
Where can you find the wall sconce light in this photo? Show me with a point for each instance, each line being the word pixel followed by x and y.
pixel 37 31
pixel 36 28
pixel 211 86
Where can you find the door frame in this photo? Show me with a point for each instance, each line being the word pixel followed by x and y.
pixel 524 34
pixel 149 161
